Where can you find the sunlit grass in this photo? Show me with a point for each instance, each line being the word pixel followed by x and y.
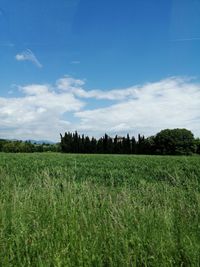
pixel 96 210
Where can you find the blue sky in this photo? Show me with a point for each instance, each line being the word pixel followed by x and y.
pixel 87 62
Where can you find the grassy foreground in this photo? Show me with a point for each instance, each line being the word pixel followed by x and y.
pixel 99 210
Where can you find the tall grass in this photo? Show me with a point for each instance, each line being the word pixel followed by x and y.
pixel 82 210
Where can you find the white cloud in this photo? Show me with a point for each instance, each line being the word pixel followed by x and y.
pixel 170 103
pixel 37 114
pixel 35 89
pixel 75 86
pixel 28 55
pixel 43 111
pixel 69 84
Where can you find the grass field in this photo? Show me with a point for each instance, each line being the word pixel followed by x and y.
pixel 99 210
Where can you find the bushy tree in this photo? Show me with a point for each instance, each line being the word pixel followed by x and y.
pixel 175 142
pixel 197 145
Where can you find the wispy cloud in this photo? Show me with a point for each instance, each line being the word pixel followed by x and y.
pixel 1 12
pixel 28 55
pixel 75 62
pixel 186 39
pixel 69 84
pixel 7 44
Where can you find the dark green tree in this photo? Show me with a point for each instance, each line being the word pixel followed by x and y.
pixel 133 146
pixel 197 146
pixel 116 145
pixel 175 142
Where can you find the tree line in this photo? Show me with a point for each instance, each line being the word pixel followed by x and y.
pixel 166 142
pixel 10 146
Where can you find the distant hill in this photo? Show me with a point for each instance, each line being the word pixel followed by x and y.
pixel 40 142
pixel 37 142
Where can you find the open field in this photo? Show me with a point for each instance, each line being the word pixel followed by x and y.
pixel 99 210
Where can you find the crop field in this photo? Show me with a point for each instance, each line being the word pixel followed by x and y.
pixel 99 210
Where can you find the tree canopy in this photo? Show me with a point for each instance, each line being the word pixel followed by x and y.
pixel 175 142
pixel 166 142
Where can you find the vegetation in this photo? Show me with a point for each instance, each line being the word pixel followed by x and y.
pixel 166 142
pixel 99 210
pixel 26 147
pixel 176 141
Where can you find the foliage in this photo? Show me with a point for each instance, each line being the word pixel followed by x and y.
pixel 197 145
pixel 26 147
pixel 175 142
pixel 167 142
pixel 99 210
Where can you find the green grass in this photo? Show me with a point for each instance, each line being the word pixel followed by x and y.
pixel 99 210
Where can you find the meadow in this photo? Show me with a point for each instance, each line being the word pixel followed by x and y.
pixel 99 210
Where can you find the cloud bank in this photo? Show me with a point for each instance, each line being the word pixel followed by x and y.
pixel 28 55
pixel 43 111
